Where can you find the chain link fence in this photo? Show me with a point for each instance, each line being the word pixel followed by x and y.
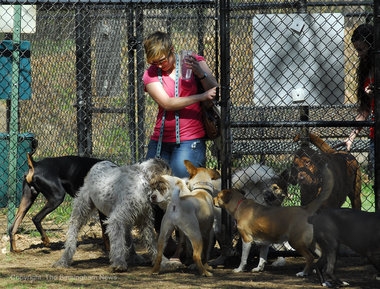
pixel 293 68
pixel 287 66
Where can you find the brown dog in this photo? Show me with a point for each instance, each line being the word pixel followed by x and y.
pixel 307 164
pixel 190 211
pixel 269 225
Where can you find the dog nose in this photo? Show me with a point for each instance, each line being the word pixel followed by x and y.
pixel 153 198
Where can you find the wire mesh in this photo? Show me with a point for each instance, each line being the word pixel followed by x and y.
pixel 87 96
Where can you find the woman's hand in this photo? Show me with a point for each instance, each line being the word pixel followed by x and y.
pixel 200 68
pixel 208 95
pixel 369 89
pixel 351 138
pixel 194 64
pixel 348 142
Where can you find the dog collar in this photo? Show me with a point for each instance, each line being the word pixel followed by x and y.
pixel 238 204
pixel 210 191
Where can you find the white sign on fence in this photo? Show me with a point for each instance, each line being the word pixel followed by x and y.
pixel 298 58
pixel 28 18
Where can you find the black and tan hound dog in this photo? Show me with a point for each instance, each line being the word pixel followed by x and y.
pixel 307 164
pixel 53 177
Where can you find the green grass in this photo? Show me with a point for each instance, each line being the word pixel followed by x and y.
pixel 367 197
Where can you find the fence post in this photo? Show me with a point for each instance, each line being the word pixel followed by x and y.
pixel 131 83
pixel 140 85
pixel 83 78
pixel 377 101
pixel 13 127
pixel 225 106
pixel 304 109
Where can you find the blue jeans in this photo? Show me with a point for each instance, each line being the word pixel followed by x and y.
pixel 192 150
pixel 371 166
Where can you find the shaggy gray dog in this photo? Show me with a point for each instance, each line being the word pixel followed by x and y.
pixel 122 194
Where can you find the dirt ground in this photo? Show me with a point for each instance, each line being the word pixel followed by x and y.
pixel 90 269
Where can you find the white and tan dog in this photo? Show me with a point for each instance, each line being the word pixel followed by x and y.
pixel 258 182
pixel 268 225
pixel 163 188
pixel 191 211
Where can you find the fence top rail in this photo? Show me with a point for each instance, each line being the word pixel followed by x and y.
pixel 296 4
pixel 166 2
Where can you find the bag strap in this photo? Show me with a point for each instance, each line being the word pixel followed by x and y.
pixel 159 144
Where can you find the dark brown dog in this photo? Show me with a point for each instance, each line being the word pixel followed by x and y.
pixel 269 225
pixel 307 164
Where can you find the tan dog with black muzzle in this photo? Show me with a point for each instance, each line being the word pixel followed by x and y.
pixel 270 225
pixel 189 210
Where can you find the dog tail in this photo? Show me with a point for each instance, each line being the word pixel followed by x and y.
pixel 327 187
pixel 174 202
pixel 180 190
pixel 322 145
pixel 319 143
pixel 175 195
pixel 30 174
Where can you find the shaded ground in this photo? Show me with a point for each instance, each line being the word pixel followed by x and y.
pixel 32 269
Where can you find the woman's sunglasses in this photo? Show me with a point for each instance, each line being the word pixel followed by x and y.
pixel 161 61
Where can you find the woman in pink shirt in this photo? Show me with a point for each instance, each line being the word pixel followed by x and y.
pixel 183 134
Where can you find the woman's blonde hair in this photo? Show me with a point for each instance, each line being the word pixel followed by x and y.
pixel 157 45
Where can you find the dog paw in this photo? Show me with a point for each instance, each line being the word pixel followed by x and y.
pixel 60 264
pixel 257 269
pixel 301 274
pixel 237 270
pixel 171 265
pixel 207 267
pixel 377 277
pixel 118 268
pixel 335 284
pixel 207 274
pixel 327 284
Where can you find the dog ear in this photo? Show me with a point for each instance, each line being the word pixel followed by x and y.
pixel 153 182
pixel 304 140
pixel 215 174
pixel 158 183
pixel 227 196
pixel 190 168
